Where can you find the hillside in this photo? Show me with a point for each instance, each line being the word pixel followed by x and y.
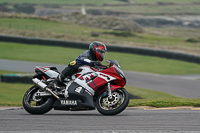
pixel 175 39
pixel 103 22
pixel 162 24
pixel 148 13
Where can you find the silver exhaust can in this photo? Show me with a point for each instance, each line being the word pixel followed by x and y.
pixel 42 85
pixel 39 83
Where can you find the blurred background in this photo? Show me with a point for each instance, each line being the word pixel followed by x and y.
pixel 162 24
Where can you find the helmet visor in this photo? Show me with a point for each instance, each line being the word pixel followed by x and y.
pixel 102 53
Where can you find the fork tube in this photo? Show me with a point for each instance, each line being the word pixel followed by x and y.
pixel 109 91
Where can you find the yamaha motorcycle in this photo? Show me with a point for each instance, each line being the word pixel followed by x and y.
pixel 90 88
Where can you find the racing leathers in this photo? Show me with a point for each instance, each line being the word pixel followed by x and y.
pixel 86 58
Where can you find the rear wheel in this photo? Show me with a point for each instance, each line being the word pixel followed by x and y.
pixel 115 105
pixel 34 104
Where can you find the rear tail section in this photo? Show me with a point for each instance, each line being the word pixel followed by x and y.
pixel 49 71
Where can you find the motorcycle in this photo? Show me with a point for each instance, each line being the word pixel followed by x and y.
pixel 90 88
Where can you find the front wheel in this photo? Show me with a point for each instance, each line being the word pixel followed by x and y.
pixel 34 104
pixel 115 105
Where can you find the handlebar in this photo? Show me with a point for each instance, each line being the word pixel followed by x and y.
pixel 100 67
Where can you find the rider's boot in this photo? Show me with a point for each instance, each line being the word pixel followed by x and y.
pixel 64 76
pixel 55 85
pixel 58 83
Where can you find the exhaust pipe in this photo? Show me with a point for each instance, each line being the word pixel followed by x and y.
pixel 42 85
pixel 39 83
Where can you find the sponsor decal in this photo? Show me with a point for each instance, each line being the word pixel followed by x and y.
pixel 73 63
pixel 43 69
pixel 78 90
pixel 81 81
pixel 68 102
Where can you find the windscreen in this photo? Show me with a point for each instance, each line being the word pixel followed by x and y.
pixel 113 62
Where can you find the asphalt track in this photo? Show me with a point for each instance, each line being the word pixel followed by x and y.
pixel 129 121
pixel 132 120
pixel 182 85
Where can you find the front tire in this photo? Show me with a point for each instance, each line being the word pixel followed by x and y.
pixel 36 105
pixel 113 106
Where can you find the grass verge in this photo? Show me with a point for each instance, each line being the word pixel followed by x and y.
pixel 9 72
pixel 164 102
pixel 62 55
pixel 142 7
pixel 12 94
pixel 158 99
pixel 154 38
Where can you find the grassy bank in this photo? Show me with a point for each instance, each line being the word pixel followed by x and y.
pixel 143 7
pixel 165 38
pixel 70 31
pixel 12 94
pixel 130 8
pixel 68 2
pixel 158 99
pixel 96 2
pixel 164 102
pixel 60 55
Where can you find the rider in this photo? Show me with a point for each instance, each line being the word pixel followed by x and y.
pixel 93 56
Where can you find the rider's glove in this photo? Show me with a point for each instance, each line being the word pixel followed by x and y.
pixel 95 63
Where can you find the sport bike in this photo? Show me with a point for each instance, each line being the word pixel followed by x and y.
pixel 90 88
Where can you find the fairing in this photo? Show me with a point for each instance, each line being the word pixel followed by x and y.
pixel 49 71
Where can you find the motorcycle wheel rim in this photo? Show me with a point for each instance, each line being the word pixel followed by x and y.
pixel 31 100
pixel 117 100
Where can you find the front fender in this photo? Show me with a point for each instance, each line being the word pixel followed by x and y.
pixel 114 87
pixel 100 90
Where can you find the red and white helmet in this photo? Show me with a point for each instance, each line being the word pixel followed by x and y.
pixel 98 49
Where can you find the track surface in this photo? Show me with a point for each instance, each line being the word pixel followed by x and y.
pixel 184 85
pixel 129 120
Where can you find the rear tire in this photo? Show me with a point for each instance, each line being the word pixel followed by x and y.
pixel 113 106
pixel 35 105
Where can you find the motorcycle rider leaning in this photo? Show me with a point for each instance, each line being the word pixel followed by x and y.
pixel 93 56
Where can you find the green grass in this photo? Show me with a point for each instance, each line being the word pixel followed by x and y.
pixel 61 55
pixel 150 94
pixel 144 7
pixel 69 31
pixel 39 25
pixel 158 99
pixel 164 102
pixel 9 72
pixel 12 95
pixel 66 2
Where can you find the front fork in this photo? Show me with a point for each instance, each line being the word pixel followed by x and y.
pixel 109 91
